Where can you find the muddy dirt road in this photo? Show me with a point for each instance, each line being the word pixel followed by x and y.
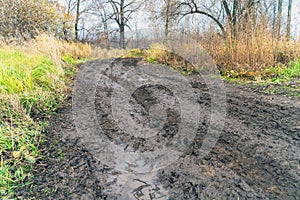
pixel 255 156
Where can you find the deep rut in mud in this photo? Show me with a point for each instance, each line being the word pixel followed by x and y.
pixel 257 155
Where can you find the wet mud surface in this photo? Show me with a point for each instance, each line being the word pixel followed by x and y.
pixel 256 156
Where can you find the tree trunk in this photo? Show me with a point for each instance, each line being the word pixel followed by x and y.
pixel 234 18
pixel 77 19
pixel 122 25
pixel 167 18
pixel 289 19
pixel 274 19
pixel 279 13
pixel 122 37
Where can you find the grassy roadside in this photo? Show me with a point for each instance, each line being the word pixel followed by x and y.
pixel 281 79
pixel 34 81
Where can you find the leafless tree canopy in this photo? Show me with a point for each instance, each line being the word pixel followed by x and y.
pixel 104 20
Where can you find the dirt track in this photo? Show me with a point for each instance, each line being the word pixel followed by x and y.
pixel 257 155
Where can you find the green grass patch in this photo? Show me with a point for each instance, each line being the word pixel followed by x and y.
pixel 20 73
pixel 19 139
pixel 134 53
pixel 32 88
pixel 282 79
pixel 72 61
pixel 283 73
pixel 278 74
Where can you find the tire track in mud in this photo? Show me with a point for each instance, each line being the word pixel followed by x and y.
pixel 257 155
pixel 259 144
pixel 267 154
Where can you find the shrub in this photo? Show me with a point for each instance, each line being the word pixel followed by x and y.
pixel 25 19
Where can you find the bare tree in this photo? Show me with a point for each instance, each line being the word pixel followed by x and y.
pixel 189 7
pixel 68 19
pixel 289 18
pixel 99 10
pixel 235 16
pixel 77 8
pixel 122 11
pixel 169 14
pixel 278 21
pixel 274 18
pixel 163 13
pixel 77 19
pixel 237 13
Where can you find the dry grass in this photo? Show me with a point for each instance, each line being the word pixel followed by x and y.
pixel 161 54
pixel 103 53
pixel 250 54
pixel 253 55
pixel 55 49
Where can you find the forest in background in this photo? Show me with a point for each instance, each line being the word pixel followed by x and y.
pixel 240 35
